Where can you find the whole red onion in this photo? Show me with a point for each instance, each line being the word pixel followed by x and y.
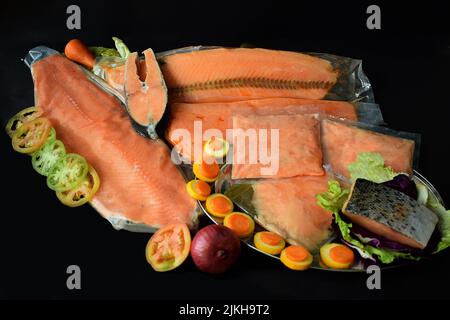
pixel 215 249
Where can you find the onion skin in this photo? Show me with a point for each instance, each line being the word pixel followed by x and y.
pixel 215 249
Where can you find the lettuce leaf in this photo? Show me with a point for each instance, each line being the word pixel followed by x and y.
pixel 121 48
pixel 333 201
pixel 104 52
pixel 370 166
pixel 443 224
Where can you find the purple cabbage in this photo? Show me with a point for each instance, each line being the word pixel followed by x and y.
pixel 403 184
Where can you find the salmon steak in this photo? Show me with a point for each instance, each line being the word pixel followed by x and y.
pixel 343 142
pixel 289 208
pixel 390 213
pixel 233 74
pixel 139 182
pixel 291 146
pixel 145 91
pixel 219 115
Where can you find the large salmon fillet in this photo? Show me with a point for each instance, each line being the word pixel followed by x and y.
pixel 139 182
pixel 289 208
pixel 295 150
pixel 343 142
pixel 219 115
pixel 222 74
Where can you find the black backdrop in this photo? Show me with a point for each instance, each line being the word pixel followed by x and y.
pixel 407 61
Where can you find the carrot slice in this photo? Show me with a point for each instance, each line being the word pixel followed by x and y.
pixel 270 238
pixel 209 169
pixel 342 254
pixel 241 224
pixel 220 205
pixel 296 253
pixel 202 188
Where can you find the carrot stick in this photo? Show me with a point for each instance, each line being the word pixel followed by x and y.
pixel 77 51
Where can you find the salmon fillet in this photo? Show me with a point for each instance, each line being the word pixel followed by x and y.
pixel 219 115
pixel 343 142
pixel 296 152
pixel 289 208
pixel 390 213
pixel 139 182
pixel 145 91
pixel 218 75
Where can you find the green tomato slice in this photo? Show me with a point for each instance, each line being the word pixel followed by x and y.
pixel 68 173
pixel 20 118
pixel 47 156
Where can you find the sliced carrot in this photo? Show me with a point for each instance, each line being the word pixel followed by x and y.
pixel 202 188
pixel 297 253
pixel 342 254
pixel 220 205
pixel 241 224
pixel 77 51
pixel 209 169
pixel 270 238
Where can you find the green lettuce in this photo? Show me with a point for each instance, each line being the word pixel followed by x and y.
pixel 121 48
pixel 333 201
pixel 370 166
pixel 120 51
pixel 104 52
pixel 443 224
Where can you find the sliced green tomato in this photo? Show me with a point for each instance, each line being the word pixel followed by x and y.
pixel 31 135
pixel 67 173
pixel 83 193
pixel 216 147
pixel 51 136
pixel 47 156
pixel 168 247
pixel 20 118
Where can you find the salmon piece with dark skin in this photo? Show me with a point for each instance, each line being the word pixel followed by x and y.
pixel 222 74
pixel 219 115
pixel 343 142
pixel 139 182
pixel 390 214
pixel 145 91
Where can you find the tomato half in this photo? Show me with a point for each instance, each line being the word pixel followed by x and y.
pixel 168 247
pixel 20 118
pixel 31 135
pixel 67 173
pixel 83 193
pixel 47 156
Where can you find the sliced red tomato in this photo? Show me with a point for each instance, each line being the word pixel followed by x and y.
pixel 83 193
pixel 168 247
pixel 31 135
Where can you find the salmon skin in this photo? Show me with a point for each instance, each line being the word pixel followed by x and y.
pixel 296 150
pixel 145 91
pixel 343 141
pixel 287 207
pixel 233 74
pixel 219 115
pixel 390 213
pixel 139 182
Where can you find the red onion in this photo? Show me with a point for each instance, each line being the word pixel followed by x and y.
pixel 215 249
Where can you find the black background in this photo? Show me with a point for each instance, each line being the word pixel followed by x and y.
pixel 407 61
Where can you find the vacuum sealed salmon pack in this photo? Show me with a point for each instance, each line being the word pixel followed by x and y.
pixel 218 116
pixel 347 144
pixel 218 74
pixel 139 184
